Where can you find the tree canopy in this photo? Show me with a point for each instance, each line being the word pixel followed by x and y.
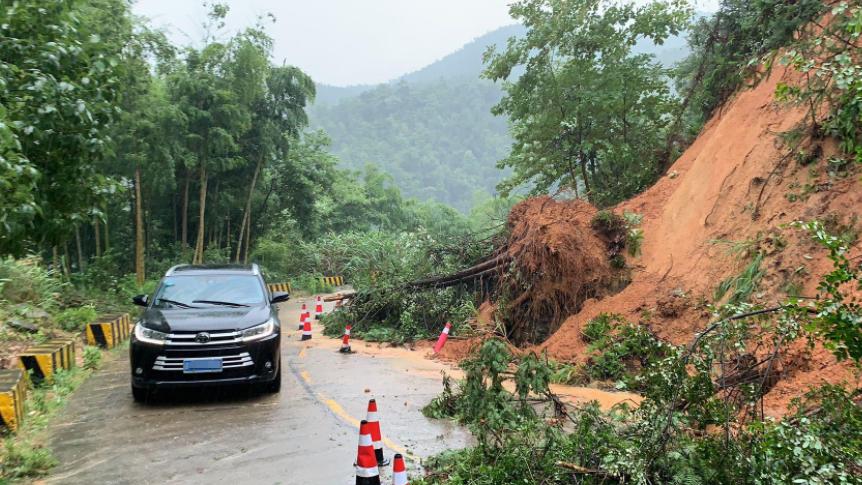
pixel 587 113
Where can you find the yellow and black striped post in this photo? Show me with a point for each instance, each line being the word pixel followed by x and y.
pixel 110 331
pixel 13 390
pixel 66 352
pixel 332 280
pixel 279 287
pixel 44 359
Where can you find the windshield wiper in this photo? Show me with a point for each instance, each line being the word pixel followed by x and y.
pixel 222 303
pixel 177 303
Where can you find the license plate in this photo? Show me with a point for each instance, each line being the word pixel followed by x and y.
pixel 198 366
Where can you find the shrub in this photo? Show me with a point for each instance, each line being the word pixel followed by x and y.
pixel 634 241
pixel 24 459
pixel 74 319
pixel 28 281
pixel 92 357
pixel 608 222
pixel 598 329
pixel 311 283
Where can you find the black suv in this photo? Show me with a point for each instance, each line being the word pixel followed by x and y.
pixel 207 325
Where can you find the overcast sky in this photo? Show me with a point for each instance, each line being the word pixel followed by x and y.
pixel 344 42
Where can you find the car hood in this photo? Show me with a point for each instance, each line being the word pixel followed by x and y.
pixel 204 319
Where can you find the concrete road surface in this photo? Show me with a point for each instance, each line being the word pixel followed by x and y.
pixel 307 434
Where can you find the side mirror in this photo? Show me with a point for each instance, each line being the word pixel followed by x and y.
pixel 141 300
pixel 279 296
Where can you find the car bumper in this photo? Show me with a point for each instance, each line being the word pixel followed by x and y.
pixel 148 372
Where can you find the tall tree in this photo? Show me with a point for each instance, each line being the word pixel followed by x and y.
pixel 586 110
pixel 57 103
pixel 277 117
pixel 216 118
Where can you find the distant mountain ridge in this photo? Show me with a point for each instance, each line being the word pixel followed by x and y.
pixel 432 129
pixel 465 62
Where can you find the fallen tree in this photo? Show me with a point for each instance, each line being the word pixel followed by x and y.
pixel 552 261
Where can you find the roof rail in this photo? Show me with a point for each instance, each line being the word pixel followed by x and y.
pixel 174 268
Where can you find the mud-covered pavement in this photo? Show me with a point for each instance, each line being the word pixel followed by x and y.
pixel 307 434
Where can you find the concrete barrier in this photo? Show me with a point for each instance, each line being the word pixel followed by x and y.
pixel 110 331
pixel 44 359
pixel 279 287
pixel 13 391
pixel 332 280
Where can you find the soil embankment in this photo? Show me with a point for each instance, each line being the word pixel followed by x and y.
pixel 736 186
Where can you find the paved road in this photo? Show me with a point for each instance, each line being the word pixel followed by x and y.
pixel 307 434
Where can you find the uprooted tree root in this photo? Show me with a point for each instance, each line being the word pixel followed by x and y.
pixel 557 261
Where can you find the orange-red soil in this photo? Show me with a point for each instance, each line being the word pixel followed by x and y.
pixel 708 198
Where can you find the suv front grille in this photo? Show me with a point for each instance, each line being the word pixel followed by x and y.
pixel 211 338
pixel 165 363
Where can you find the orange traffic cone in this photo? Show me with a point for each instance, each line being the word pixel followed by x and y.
pixel 367 472
pixel 399 471
pixel 444 335
pixel 376 437
pixel 302 316
pixel 345 341
pixel 318 308
pixel 306 330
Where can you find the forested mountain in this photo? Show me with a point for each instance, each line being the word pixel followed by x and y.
pixel 432 130
pixel 438 140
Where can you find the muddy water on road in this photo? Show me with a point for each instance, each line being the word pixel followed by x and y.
pixel 305 435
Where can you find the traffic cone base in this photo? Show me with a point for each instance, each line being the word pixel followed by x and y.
pixel 381 460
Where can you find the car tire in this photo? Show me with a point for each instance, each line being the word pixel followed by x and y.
pixel 274 386
pixel 140 394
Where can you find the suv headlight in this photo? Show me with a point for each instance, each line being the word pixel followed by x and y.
pixel 150 336
pixel 259 331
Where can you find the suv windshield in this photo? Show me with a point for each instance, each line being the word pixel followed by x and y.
pixel 209 290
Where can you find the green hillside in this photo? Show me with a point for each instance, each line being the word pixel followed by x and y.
pixel 438 140
pixel 432 130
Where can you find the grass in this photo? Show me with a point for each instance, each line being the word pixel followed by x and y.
pixel 25 455
pixel 741 286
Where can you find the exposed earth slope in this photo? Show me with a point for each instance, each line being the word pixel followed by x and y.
pixel 734 187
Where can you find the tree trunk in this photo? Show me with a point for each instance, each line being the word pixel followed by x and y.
pixel 583 162
pixel 199 245
pixel 174 212
pixel 246 215
pixel 55 258
pixel 185 215
pixel 107 239
pixel 247 240
pixel 66 269
pixel 81 264
pixel 97 236
pixel 227 235
pixel 139 229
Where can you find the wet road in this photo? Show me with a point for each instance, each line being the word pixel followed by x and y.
pixel 307 434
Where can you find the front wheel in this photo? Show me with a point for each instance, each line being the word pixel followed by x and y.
pixel 140 394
